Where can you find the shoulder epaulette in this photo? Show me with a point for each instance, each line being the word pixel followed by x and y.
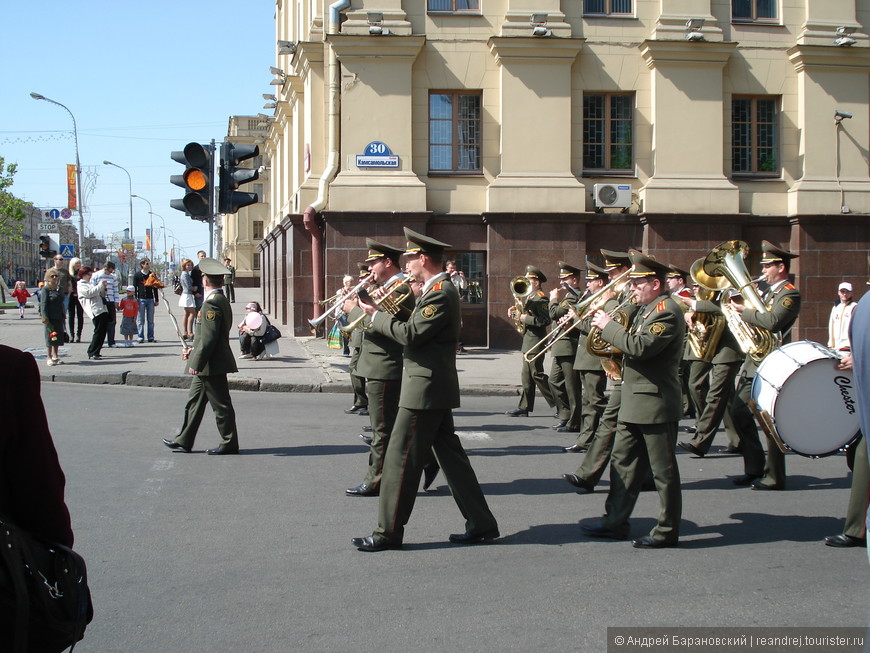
pixel 541 294
pixel 660 307
pixel 789 286
pixel 437 286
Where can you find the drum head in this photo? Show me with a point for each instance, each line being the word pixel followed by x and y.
pixel 254 321
pixel 812 403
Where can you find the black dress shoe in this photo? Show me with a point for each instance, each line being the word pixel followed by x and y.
pixel 95 357
pixel 758 485
pixel 730 449
pixel 647 542
pixel 562 423
pixel 172 444
pixel 578 482
pixel 362 490
pixel 367 429
pixel 222 451
pixel 842 540
pixel 430 471
pixel 517 412
pixel 575 448
pixel 745 480
pixel 363 412
pixel 691 448
pixel 602 531
pixel 567 429
pixel 371 544
pixel 366 438
pixel 354 409
pixel 474 538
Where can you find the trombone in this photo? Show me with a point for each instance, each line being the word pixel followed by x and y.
pixel 390 298
pixel 339 299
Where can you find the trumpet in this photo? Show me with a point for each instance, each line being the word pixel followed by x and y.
pixel 521 289
pixel 579 312
pixel 389 298
pixel 339 299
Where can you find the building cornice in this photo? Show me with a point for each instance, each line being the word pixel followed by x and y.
pixel 532 49
pixel 830 57
pixel 686 53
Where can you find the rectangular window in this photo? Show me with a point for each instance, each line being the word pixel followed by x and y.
pixel 454 6
pixel 751 10
pixel 754 135
pixel 257 228
pixel 607 8
pixel 454 132
pixel 255 261
pixel 607 132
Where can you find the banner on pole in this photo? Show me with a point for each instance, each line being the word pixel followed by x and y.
pixel 71 194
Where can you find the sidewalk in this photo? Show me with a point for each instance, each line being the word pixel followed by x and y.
pixel 303 364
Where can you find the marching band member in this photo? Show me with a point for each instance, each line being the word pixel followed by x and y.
pixel 564 382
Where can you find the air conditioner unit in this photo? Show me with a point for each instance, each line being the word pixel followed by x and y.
pixel 612 195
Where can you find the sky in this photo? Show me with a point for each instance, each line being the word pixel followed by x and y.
pixel 142 79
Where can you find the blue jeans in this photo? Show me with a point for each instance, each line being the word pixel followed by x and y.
pixel 146 313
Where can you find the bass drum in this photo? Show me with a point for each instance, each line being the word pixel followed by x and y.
pixel 807 403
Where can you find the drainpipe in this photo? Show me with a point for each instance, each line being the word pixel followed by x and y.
pixel 310 218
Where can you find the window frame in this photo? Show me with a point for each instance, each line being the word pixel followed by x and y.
pixel 453 11
pixel 754 18
pixel 755 172
pixel 608 10
pixel 608 170
pixel 257 225
pixel 454 170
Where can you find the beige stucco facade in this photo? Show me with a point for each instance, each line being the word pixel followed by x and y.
pixel 345 87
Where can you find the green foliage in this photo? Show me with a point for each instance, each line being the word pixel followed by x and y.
pixel 11 208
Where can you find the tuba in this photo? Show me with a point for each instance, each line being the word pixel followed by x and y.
pixel 706 328
pixel 726 261
pixel 521 289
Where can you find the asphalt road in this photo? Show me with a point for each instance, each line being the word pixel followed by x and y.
pixel 196 553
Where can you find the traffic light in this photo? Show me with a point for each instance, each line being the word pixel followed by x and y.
pixel 197 181
pixel 46 247
pixel 231 176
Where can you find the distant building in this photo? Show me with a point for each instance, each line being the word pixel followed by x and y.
pixel 520 134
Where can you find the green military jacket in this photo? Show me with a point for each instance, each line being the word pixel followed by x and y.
pixel 566 346
pixel 783 306
pixel 536 325
pixel 652 349
pixel 430 337
pixel 356 336
pixel 728 350
pixel 211 344
pixel 381 356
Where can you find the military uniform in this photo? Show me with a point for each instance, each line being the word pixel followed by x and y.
pixel 652 348
pixel 690 409
pixel 357 382
pixel 212 359
pixel 564 382
pixel 537 319
pixel 230 281
pixel 430 390
pixel 380 362
pixel 783 302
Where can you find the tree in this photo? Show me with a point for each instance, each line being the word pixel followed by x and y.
pixel 11 208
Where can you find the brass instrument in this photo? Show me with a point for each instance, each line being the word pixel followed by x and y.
pixel 579 312
pixel 594 344
pixel 521 289
pixel 705 329
pixel 339 299
pixel 726 260
pixel 388 298
pixel 611 357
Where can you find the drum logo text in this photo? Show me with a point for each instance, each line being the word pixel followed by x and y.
pixel 845 385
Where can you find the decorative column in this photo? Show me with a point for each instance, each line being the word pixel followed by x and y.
pixel 687 105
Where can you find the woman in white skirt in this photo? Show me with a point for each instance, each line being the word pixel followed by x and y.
pixel 186 299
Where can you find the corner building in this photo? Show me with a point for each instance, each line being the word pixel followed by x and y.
pixel 527 132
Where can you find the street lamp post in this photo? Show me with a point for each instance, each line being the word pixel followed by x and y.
pixel 130 179
pixel 151 228
pixel 81 191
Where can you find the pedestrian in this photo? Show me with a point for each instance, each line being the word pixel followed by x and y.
pixel 430 391
pixel 230 281
pixel 209 361
pixel 148 301
pixel 196 275
pixel 112 299
pixel 251 332
pixel 20 293
pixel 841 316
pixel 129 312
pixel 51 310
pixel 91 297
pixel 32 491
pixel 74 309
pixel 187 299
pixel 65 284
